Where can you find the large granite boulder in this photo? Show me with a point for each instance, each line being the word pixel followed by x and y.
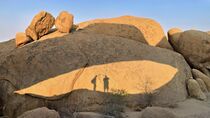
pixel 194 46
pixel 151 30
pixel 40 113
pixel 64 22
pixel 40 25
pixel 52 73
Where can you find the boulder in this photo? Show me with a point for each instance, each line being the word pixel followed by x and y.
pixel 198 74
pixel 90 115
pixel 195 90
pixel 40 113
pixel 173 37
pixel 51 73
pixel 151 30
pixel 40 25
pixel 208 32
pixel 194 46
pixel 202 85
pixel 22 39
pixel 64 22
pixel 157 112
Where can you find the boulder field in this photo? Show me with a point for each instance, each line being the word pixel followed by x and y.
pixel 120 67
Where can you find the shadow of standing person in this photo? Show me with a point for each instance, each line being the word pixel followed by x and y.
pixel 93 81
pixel 106 84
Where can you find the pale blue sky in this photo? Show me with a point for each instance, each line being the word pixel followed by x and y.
pixel 15 15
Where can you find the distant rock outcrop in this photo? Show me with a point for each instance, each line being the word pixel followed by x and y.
pixel 40 25
pixel 64 22
pixel 151 30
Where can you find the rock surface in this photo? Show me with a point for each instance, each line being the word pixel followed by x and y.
pixel 21 39
pixel 90 115
pixel 40 113
pixel 195 90
pixel 73 61
pixel 54 34
pixel 157 112
pixel 197 74
pixel 202 85
pixel 173 37
pixel 194 46
pixel 40 25
pixel 64 22
pixel 151 30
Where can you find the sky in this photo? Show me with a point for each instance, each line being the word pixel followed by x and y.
pixel 16 15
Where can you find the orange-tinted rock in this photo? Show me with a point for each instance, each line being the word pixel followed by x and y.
pixel 64 22
pixel 40 25
pixel 21 39
pixel 173 37
pixel 151 30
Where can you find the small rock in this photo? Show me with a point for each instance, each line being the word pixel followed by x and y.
pixel 21 39
pixel 195 90
pixel 173 37
pixel 40 113
pixel 90 115
pixel 198 74
pixel 64 22
pixel 40 25
pixel 202 85
pixel 157 112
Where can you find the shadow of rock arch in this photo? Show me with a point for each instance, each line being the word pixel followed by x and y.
pixel 54 59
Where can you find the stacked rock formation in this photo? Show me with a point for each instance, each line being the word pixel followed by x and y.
pixel 105 67
pixel 42 24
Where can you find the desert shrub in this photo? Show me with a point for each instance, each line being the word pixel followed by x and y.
pixel 116 103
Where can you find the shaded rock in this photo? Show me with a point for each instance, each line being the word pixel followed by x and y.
pixel 22 39
pixel 40 113
pixel 194 46
pixel 51 69
pixel 64 22
pixel 195 90
pixel 40 25
pixel 173 37
pixel 118 30
pixel 202 85
pixel 197 74
pixel 157 112
pixel 151 30
pixel 90 115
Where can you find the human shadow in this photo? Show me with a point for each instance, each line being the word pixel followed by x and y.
pixel 106 83
pixel 94 81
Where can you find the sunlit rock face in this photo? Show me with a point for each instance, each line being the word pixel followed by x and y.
pixel 132 76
